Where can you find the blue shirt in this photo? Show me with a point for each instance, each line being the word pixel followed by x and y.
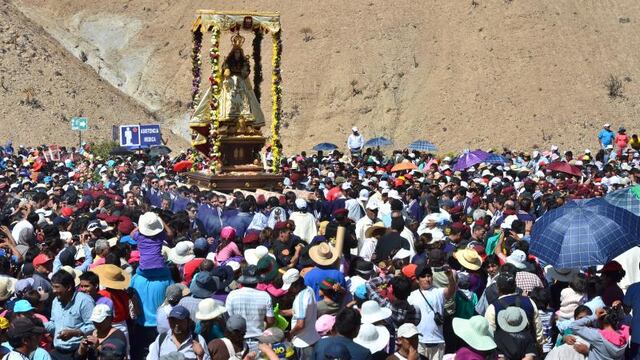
pixel 314 277
pixel 76 314
pixel 606 137
pixel 150 286
pixel 632 299
pixel 356 351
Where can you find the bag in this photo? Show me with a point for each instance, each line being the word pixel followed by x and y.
pixel 437 317
pixel 233 355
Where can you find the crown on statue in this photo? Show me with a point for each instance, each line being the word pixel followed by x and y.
pixel 237 40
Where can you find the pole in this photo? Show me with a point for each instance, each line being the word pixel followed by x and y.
pixel 79 140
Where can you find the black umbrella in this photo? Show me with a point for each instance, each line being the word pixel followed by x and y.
pixel 120 150
pixel 159 150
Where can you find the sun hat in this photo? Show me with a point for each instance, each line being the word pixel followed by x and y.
pixel 150 224
pixel 75 273
pixel 289 277
pixel 564 275
pixel 475 332
pixel 372 312
pixel 518 259
pixel 249 276
pixel 204 285
pixel 7 287
pixel 375 229
pixel 324 324
pixel 512 319
pixel 252 256
pixel 323 254
pixel 112 276
pixel 468 258
pixel 209 309
pixel 374 338
pixel 22 306
pixel 182 253
pixel 100 312
pixel 407 331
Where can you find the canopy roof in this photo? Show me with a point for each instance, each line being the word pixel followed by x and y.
pixel 226 20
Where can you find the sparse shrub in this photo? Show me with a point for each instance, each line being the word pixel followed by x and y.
pixel 307 33
pixel 614 87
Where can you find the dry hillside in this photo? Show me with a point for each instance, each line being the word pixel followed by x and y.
pixel 465 73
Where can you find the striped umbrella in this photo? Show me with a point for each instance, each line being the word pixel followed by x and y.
pixel 377 142
pixel 422 145
pixel 627 198
pixel 325 147
pixel 496 159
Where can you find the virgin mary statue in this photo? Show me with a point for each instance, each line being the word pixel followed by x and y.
pixel 238 106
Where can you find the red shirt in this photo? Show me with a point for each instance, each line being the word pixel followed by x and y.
pixel 190 268
pixel 120 300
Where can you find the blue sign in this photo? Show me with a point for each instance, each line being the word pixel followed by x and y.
pixel 140 136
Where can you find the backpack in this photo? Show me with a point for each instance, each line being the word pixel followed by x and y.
pixel 233 355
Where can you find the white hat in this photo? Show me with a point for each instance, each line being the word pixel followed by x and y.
pixel 252 256
pixel 554 148
pixel 372 205
pixel 407 330
pixel 486 172
pixel 517 259
pixel 150 224
pixel 182 253
pixel 234 265
pixel 289 277
pixel 354 129
pixel 374 338
pixel 301 203
pixel 506 223
pixel 372 312
pixel 100 312
pixel 364 195
pixel 394 194
pixel 345 186
pixel 447 159
pixel 209 309
pixel 606 125
pixel 383 184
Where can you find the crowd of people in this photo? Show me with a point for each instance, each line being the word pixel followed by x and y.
pixel 119 258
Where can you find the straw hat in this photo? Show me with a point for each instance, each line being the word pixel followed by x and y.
pixel 475 332
pixel 374 338
pixel 150 224
pixel 323 254
pixel 469 259
pixel 375 229
pixel 112 276
pixel 209 309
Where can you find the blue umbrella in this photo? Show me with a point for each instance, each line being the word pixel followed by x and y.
pixel 627 198
pixel 377 142
pixel 325 147
pixel 422 145
pixel 496 159
pixel 584 233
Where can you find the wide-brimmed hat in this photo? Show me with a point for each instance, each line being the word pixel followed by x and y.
pixel 209 309
pixel 112 276
pixel 512 319
pixel 252 256
pixel 475 332
pixel 372 312
pixel 375 229
pixel 323 254
pixel 204 285
pixel 325 323
pixel 564 275
pixel 150 224
pixel 7 287
pixel 249 276
pixel 518 259
pixel 374 338
pixel 469 259
pixel 182 253
pixel 289 277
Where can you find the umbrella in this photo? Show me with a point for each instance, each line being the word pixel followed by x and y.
pixel 377 142
pixel 120 150
pixel 422 145
pixel 564 167
pixel 584 233
pixel 496 159
pixel 183 165
pixel 470 158
pixel 405 165
pixel 159 151
pixel 325 147
pixel 627 198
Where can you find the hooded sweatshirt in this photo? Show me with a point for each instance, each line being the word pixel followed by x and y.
pixel 605 344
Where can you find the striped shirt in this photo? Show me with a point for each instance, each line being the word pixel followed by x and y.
pixel 305 309
pixel 253 305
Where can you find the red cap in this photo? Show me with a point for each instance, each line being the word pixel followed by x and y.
pixel 410 271
pixel 125 227
pixel 111 219
pixel 611 266
pixel 341 211
pixel 66 211
pixel 280 225
pixel 251 237
pixel 41 259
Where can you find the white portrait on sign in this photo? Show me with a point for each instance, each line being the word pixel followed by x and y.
pixel 128 136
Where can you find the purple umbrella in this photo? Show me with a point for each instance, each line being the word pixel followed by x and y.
pixel 469 159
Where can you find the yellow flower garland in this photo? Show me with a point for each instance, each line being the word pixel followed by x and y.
pixel 276 98
pixel 215 79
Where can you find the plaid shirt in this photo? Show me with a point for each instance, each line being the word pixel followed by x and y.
pixel 401 311
pixel 527 281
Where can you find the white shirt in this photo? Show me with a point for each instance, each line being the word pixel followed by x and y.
pixel 629 262
pixel 305 308
pixel 354 208
pixel 253 305
pixel 306 227
pixel 368 248
pixel 355 141
pixel 168 346
pixel 430 333
pixel 21 225
pixel 361 228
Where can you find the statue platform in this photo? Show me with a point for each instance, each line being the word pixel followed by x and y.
pixel 230 181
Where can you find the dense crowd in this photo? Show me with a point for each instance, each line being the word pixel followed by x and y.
pixel 117 258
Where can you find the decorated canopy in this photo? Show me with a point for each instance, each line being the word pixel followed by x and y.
pixel 228 20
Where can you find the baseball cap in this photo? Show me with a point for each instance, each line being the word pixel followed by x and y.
pixel 175 292
pixel 22 327
pixel 179 312
pixel 289 277
pixel 22 306
pixel 100 312
pixel 301 203
pixel 41 259
pixel 410 271
pixel 407 330
pixel 112 347
pixel 271 335
pixel 236 323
